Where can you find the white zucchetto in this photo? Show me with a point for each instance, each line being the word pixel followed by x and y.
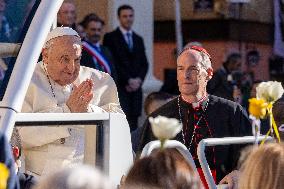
pixel 61 31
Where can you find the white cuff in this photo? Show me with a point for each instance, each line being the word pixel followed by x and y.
pixel 65 108
pixel 95 109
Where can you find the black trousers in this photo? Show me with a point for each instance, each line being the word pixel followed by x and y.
pixel 131 104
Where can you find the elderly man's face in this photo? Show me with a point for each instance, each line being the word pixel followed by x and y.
pixel 192 77
pixel 67 14
pixel 63 59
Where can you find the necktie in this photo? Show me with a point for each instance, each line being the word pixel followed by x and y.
pixel 129 40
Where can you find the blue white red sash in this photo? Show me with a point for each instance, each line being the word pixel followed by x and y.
pixel 97 55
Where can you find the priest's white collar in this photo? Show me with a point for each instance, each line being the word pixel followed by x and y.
pixel 198 103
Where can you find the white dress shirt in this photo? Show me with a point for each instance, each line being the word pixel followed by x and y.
pixel 124 32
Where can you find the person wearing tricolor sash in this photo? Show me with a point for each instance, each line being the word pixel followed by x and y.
pixel 95 55
pixel 202 116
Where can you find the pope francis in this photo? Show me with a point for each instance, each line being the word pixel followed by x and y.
pixel 60 84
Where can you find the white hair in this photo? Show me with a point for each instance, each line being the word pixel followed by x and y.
pixel 204 59
pixel 81 177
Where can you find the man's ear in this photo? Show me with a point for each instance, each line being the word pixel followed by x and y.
pixel 209 73
pixel 44 55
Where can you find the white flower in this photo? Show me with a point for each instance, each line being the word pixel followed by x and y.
pixel 261 90
pixel 277 91
pixel 165 128
pixel 269 91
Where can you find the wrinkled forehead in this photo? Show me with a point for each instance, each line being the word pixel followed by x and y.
pixel 66 44
pixel 66 40
pixel 190 57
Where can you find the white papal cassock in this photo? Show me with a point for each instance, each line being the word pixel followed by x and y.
pixel 43 149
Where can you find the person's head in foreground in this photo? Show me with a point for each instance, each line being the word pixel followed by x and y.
pixel 81 177
pixel 263 168
pixel 163 169
pixel 155 100
pixel 194 70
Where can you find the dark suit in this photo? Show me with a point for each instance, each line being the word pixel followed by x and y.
pixel 129 64
pixel 88 61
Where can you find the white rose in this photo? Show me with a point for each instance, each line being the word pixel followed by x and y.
pixel 165 128
pixel 269 91
pixel 276 90
pixel 261 91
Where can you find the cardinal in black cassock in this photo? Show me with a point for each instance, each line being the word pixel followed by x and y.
pixel 202 115
pixel 214 117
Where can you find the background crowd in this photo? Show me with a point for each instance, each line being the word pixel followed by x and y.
pixel 121 54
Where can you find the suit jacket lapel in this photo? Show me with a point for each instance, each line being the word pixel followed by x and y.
pixel 134 38
pixel 121 39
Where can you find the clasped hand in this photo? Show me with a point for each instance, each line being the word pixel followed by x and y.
pixel 80 97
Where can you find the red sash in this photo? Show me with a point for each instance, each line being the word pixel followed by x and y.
pixel 101 60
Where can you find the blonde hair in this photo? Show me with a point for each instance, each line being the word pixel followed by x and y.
pixel 264 168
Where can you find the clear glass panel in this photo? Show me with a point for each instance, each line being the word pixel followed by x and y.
pixel 15 19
